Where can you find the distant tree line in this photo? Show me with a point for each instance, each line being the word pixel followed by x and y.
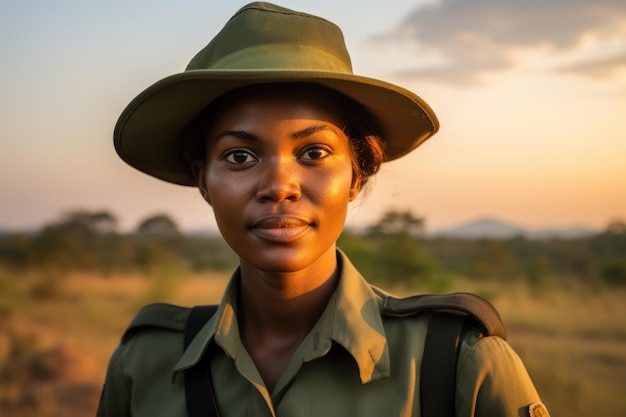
pixel 396 250
pixel 393 251
pixel 90 241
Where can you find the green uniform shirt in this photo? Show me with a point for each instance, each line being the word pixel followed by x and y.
pixel 354 362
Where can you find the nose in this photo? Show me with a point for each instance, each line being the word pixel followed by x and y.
pixel 278 181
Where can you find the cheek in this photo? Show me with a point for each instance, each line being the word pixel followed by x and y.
pixel 335 189
pixel 221 191
pixel 339 188
pixel 226 202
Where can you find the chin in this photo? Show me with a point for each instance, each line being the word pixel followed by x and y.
pixel 283 260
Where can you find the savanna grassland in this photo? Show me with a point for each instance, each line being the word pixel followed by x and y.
pixel 62 315
pixel 572 341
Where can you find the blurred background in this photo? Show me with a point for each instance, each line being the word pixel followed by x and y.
pixel 520 197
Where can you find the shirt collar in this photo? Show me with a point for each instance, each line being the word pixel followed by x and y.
pixel 356 323
pixel 223 322
pixel 351 319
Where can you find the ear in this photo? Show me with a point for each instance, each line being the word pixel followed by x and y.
pixel 355 187
pixel 199 173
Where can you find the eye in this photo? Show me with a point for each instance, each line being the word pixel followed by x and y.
pixel 239 156
pixel 314 153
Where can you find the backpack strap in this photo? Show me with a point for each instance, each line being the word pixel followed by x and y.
pixel 438 371
pixel 472 305
pixel 198 381
pixel 450 314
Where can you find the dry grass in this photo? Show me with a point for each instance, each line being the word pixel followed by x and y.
pixel 573 341
pixel 91 311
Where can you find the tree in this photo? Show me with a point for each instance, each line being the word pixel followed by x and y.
pixel 616 227
pixel 610 247
pixel 158 225
pixel 398 256
pixel 401 259
pixel 85 222
pixel 76 239
pixel 396 222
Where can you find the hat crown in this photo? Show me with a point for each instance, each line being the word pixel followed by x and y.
pixel 265 36
pixel 261 44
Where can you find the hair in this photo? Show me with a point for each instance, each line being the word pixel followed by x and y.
pixel 193 141
pixel 367 148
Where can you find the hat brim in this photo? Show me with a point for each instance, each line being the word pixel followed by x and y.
pixel 147 134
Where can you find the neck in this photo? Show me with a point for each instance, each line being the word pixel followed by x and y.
pixel 286 302
pixel 276 311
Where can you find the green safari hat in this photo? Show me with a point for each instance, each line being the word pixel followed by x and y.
pixel 261 43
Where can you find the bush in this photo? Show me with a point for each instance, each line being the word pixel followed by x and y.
pixel 614 273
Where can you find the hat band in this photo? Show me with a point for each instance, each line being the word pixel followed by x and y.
pixel 281 57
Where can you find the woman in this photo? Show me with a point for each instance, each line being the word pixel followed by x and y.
pixel 278 135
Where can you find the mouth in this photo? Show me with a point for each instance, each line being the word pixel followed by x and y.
pixel 280 229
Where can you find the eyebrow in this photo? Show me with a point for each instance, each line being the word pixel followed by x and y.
pixel 312 130
pixel 240 134
pixel 308 131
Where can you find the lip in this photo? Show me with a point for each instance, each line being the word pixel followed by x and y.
pixel 280 229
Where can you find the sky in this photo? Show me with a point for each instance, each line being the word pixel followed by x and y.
pixel 531 97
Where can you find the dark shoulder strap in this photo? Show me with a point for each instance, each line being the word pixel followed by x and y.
pixel 199 392
pixel 481 310
pixel 198 317
pixel 158 315
pixel 450 313
pixel 438 372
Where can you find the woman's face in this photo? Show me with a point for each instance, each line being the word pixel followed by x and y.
pixel 279 175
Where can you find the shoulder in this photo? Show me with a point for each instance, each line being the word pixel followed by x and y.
pixel 158 316
pixel 142 364
pixel 485 366
pixel 152 342
pixel 492 378
pixel 463 305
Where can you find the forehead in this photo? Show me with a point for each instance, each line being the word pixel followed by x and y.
pixel 283 101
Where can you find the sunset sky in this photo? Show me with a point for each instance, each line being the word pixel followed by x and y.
pixel 531 96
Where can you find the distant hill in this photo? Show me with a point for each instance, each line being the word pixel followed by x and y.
pixel 497 229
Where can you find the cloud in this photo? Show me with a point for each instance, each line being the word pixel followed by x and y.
pixel 460 41
pixel 602 67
